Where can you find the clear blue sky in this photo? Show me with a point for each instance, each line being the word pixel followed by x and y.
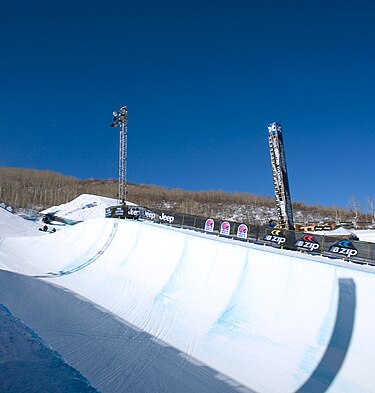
pixel 202 79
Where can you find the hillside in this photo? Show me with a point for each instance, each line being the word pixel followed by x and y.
pixel 38 190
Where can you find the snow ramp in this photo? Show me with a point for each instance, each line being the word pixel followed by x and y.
pixel 217 315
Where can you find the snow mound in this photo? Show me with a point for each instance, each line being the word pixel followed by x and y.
pixel 12 225
pixel 85 207
pixel 366 235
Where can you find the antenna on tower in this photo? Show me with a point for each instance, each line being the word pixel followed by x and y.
pixel 120 118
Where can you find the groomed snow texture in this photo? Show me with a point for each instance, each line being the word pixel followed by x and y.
pixel 141 307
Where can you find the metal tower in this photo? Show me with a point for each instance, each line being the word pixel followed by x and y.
pixel 280 176
pixel 121 118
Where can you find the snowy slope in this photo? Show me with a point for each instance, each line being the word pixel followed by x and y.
pixel 13 225
pixel 84 207
pixel 264 320
pixel 365 235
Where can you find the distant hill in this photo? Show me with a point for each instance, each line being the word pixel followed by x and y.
pixel 38 190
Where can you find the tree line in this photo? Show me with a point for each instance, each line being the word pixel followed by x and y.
pixel 40 189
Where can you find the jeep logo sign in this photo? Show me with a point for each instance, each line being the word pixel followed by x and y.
pixel 149 215
pixel 133 212
pixel 164 217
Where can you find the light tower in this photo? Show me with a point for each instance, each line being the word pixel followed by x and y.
pixel 280 177
pixel 121 118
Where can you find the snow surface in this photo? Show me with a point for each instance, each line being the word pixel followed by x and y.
pixel 85 207
pixel 365 235
pixel 13 225
pixel 141 307
pixel 24 354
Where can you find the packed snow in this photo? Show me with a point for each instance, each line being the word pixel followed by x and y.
pixel 143 307
pixel 85 207
pixel 13 225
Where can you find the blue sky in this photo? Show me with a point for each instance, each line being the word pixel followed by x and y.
pixel 202 79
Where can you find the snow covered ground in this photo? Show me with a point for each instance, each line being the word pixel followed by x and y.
pixel 82 208
pixel 141 307
pixel 13 225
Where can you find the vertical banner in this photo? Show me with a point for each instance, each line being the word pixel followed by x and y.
pixel 225 228
pixel 280 176
pixel 242 231
pixel 209 225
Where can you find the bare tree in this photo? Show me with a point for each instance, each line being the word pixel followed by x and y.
pixel 371 203
pixel 354 207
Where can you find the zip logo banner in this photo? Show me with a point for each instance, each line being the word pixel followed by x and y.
pixel 344 247
pixel 308 243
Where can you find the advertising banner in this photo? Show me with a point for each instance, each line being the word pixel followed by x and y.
pixel 132 212
pixel 167 218
pixel 119 211
pixel 308 243
pixel 280 238
pixel 148 214
pixel 348 249
pixel 344 247
pixel 340 248
pixel 362 252
pixel 108 212
pixel 276 237
pixel 209 225
pixel 323 228
pixel 242 231
pixel 225 228
pixel 115 212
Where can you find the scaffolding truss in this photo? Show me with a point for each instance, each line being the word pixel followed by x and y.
pixel 120 118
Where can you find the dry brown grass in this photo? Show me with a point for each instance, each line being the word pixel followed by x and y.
pixel 35 189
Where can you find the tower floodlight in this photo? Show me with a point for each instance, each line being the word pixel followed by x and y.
pixel 120 118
